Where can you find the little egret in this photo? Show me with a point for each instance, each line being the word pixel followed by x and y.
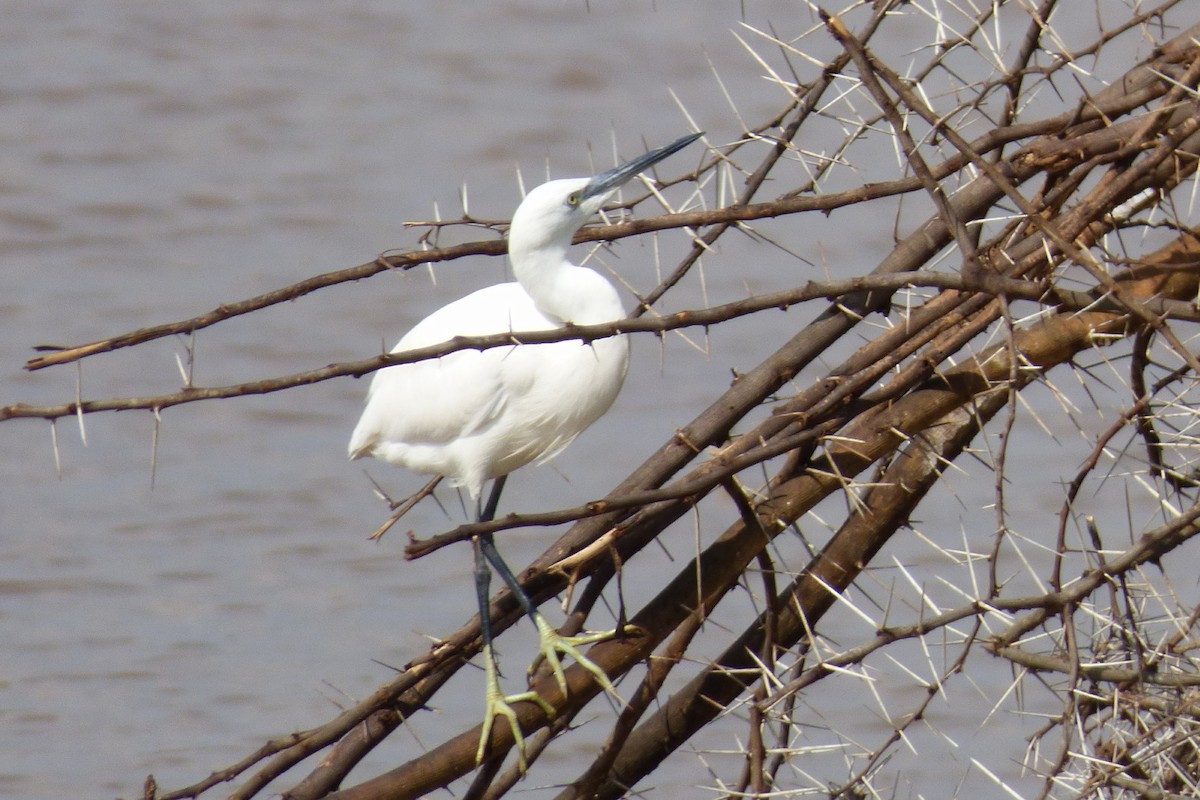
pixel 474 416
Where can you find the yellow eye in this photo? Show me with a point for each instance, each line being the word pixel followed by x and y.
pixel 573 199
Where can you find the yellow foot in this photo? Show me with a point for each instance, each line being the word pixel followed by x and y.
pixel 497 705
pixel 553 643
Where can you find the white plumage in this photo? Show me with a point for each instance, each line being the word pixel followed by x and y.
pixel 473 416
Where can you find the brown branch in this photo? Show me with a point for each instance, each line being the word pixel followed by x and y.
pixel 1108 673
pixel 781 300
pixel 1018 289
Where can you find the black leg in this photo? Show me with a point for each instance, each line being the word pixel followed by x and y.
pixel 487 513
pixel 483 578
pixel 487 547
pixel 483 575
pixel 497 703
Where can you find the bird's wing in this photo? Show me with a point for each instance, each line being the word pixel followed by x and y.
pixel 438 401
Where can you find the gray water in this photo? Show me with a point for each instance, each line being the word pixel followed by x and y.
pixel 159 159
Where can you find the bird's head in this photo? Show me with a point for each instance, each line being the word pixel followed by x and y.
pixel 550 214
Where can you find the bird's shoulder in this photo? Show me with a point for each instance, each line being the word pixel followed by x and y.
pixel 500 308
pixel 441 399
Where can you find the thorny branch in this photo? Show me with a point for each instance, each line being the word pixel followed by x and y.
pixel 782 300
pixel 1078 219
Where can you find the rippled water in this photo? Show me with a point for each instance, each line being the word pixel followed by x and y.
pixel 161 158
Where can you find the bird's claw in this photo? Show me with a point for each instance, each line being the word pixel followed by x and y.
pixel 553 643
pixel 498 705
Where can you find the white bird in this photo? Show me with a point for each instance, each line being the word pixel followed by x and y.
pixel 474 416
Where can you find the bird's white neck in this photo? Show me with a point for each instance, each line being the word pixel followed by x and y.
pixel 562 291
